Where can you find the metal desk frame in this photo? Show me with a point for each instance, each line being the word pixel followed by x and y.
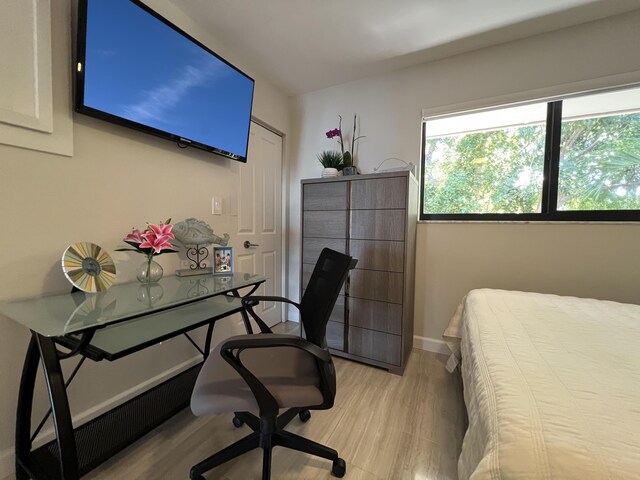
pixel 76 451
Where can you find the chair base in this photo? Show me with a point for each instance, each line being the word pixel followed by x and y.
pixel 269 433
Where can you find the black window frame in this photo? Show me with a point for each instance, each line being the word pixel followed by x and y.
pixel 549 211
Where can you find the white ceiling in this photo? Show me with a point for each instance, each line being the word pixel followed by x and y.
pixel 305 45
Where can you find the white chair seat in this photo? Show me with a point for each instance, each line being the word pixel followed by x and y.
pixel 290 375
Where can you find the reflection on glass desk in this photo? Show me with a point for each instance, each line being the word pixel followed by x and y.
pixel 59 315
pixel 123 338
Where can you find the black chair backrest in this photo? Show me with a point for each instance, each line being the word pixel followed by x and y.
pixel 322 292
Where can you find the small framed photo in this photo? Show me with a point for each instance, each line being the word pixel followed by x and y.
pixel 222 260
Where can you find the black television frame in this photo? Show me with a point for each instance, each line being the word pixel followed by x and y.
pixel 80 107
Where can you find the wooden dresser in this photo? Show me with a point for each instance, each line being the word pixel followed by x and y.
pixel 372 218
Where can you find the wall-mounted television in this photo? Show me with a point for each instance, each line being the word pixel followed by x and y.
pixel 137 69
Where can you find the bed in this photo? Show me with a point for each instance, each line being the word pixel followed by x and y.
pixel 551 385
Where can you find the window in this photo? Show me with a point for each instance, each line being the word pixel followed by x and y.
pixel 575 159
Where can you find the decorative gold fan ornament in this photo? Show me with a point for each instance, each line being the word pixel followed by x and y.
pixel 88 267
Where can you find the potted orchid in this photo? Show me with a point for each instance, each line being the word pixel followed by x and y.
pixel 153 241
pixel 348 167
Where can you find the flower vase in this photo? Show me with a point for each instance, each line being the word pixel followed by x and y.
pixel 149 271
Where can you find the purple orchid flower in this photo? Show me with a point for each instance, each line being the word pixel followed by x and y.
pixel 334 133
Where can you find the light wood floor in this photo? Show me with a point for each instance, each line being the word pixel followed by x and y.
pixel 383 425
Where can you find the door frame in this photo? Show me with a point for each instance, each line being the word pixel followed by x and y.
pixel 284 213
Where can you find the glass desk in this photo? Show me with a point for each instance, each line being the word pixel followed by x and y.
pixel 107 326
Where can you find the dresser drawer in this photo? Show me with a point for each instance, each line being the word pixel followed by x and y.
pixel 383 347
pixel 373 285
pixel 378 254
pixel 335 335
pixel 325 196
pixel 379 193
pixel 325 224
pixel 380 316
pixel 311 247
pixel 378 224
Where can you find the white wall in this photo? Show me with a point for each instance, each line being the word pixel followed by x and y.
pixel 116 179
pixel 584 260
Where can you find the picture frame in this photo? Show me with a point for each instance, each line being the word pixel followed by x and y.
pixel 222 260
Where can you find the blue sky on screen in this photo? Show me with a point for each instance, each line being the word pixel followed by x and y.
pixel 140 69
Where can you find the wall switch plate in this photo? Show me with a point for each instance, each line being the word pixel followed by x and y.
pixel 216 206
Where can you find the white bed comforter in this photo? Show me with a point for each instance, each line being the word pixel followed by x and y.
pixel 552 386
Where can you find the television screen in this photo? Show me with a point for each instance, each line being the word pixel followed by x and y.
pixel 137 69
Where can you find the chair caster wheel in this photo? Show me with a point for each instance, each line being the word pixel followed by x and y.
pixel 197 477
pixel 304 415
pixel 237 422
pixel 339 468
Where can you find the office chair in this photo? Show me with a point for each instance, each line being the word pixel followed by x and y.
pixel 267 372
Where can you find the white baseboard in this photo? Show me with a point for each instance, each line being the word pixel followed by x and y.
pixel 430 344
pixel 7 460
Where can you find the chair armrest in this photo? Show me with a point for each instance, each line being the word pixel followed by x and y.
pixel 232 348
pixel 268 341
pixel 251 301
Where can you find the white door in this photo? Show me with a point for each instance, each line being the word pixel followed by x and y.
pixel 259 246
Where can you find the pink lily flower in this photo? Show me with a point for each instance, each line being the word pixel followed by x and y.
pixel 135 236
pixel 152 241
pixel 156 242
pixel 162 229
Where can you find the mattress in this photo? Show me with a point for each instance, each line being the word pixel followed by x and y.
pixel 551 385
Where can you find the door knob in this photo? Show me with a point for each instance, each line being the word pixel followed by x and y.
pixel 248 244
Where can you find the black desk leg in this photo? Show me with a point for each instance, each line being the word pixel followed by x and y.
pixel 207 342
pixel 245 319
pixel 60 408
pixel 25 405
pixel 245 315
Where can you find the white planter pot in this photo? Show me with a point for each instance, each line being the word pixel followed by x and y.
pixel 330 172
